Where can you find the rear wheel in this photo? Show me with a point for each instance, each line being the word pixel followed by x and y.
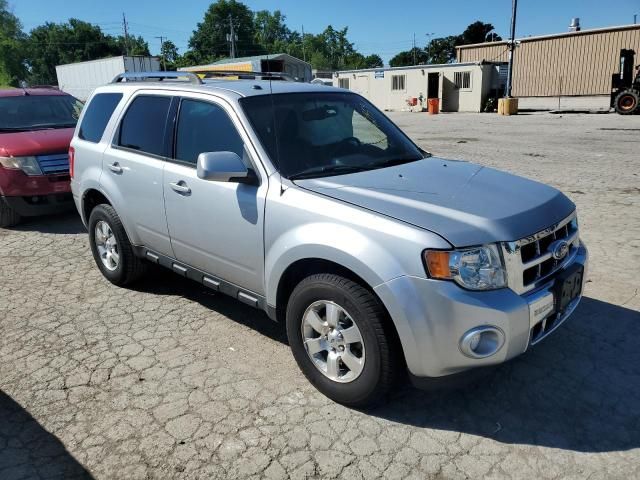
pixel 111 247
pixel 340 338
pixel 8 216
pixel 626 102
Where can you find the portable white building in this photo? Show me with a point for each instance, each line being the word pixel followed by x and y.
pixel 80 79
pixel 460 87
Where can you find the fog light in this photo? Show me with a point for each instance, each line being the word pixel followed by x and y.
pixel 482 342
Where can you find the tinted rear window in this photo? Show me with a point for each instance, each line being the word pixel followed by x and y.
pixel 97 116
pixel 143 125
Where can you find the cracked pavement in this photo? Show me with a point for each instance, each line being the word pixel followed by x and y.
pixel 170 380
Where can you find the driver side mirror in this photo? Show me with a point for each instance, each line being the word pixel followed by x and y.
pixel 222 167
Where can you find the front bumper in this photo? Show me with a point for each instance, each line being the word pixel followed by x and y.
pixel 35 205
pixel 431 316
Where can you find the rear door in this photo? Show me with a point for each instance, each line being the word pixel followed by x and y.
pixel 215 226
pixel 133 168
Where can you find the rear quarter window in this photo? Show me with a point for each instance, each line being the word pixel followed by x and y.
pixel 97 116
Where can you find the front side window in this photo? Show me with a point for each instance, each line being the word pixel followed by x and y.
pixel 143 126
pixel 343 83
pixel 38 112
pixel 317 134
pixel 205 127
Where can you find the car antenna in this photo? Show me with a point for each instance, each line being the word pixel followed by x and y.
pixel 275 123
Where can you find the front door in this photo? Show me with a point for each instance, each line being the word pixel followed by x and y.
pixel 216 227
pixel 133 167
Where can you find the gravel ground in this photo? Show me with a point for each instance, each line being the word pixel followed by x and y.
pixel 168 380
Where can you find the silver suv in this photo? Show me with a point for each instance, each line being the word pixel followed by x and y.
pixel 310 204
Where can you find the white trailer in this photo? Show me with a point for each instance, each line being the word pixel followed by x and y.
pixel 80 79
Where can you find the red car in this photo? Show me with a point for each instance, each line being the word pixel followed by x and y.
pixel 36 127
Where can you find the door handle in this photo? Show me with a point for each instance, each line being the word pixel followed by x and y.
pixel 115 167
pixel 180 187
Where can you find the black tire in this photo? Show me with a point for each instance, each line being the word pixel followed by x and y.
pixel 130 268
pixel 626 103
pixel 382 359
pixel 8 216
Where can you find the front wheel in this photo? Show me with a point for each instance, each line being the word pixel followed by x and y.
pixel 340 338
pixel 626 102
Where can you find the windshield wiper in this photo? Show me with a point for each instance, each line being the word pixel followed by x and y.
pixel 43 126
pixel 392 162
pixel 13 129
pixel 327 170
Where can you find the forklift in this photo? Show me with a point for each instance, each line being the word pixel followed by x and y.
pixel 625 86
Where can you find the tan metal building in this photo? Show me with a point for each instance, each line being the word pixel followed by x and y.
pixel 565 70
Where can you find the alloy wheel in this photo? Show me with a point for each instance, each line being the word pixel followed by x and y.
pixel 107 245
pixel 333 341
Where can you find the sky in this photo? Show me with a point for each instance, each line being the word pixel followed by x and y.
pixel 378 27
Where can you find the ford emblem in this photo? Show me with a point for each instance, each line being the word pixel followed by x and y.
pixel 559 249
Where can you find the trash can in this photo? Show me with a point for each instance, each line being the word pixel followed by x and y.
pixel 507 106
pixel 433 106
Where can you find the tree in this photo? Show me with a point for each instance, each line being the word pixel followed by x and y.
pixel 133 46
pixel 54 44
pixel 442 50
pixel 415 56
pixel 478 32
pixel 271 33
pixel 356 61
pixel 373 61
pixel 12 65
pixel 169 53
pixel 209 40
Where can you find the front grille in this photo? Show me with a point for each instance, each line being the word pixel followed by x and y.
pixel 54 164
pixel 530 261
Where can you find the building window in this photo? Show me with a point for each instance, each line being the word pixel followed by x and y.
pixel 398 82
pixel 462 80
pixel 343 83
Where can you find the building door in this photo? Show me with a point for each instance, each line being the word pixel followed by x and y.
pixel 361 85
pixel 433 85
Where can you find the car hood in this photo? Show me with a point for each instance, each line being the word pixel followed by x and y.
pixel 35 142
pixel 467 204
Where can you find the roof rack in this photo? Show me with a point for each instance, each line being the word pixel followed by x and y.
pixel 244 75
pixel 158 76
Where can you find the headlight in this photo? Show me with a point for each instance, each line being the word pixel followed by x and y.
pixel 28 165
pixel 476 268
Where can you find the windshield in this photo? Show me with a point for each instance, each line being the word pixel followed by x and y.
pixel 316 134
pixel 38 112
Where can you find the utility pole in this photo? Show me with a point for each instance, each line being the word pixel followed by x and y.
pixel 304 55
pixel 512 47
pixel 232 38
pixel 164 60
pixel 414 48
pixel 429 36
pixel 126 34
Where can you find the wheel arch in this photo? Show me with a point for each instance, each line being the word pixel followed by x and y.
pixel 91 198
pixel 305 267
